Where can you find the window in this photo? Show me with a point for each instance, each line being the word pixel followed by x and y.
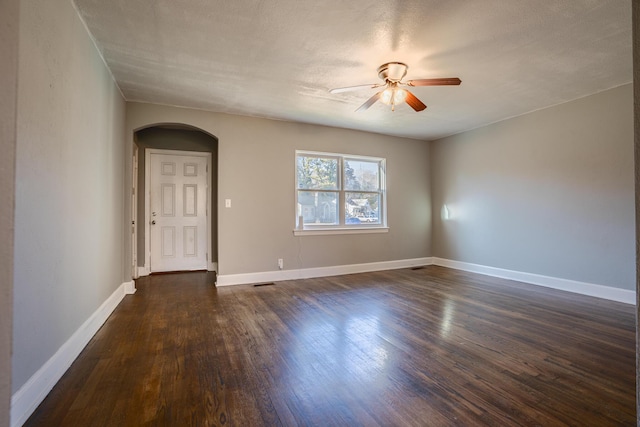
pixel 336 191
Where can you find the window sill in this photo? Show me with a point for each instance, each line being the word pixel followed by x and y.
pixel 327 231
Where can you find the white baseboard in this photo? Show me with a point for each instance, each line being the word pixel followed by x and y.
pixel 33 392
pixel 307 273
pixel 129 287
pixel 143 271
pixel 590 289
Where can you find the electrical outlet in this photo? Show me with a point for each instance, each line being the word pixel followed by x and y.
pixel 280 263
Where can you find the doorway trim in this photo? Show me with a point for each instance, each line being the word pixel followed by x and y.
pixel 134 214
pixel 211 266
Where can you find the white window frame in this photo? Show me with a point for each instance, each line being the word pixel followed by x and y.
pixel 301 229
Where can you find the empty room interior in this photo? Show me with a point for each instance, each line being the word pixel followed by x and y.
pixel 258 212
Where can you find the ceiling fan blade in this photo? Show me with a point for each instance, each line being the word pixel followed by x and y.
pixel 350 88
pixel 369 102
pixel 446 81
pixel 414 102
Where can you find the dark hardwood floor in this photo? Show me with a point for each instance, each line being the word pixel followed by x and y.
pixel 426 347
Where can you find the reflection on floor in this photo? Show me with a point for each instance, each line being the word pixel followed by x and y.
pixel 433 347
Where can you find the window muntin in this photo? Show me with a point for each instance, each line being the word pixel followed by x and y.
pixel 325 182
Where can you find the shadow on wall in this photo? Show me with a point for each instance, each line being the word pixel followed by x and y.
pixel 176 137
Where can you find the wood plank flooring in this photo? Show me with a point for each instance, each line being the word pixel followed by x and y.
pixel 426 347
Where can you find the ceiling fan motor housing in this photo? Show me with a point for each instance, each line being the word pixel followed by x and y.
pixel 392 71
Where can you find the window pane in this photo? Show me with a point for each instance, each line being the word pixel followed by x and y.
pixel 361 175
pixel 317 173
pixel 318 207
pixel 362 208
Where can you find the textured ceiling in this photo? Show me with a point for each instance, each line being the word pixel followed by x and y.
pixel 279 58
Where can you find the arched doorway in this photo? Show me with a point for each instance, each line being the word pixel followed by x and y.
pixel 177 137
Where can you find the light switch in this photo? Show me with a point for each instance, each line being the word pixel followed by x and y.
pixel 227 203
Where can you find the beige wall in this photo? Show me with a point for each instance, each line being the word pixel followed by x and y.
pixel 69 184
pixel 9 14
pixel 550 193
pixel 256 171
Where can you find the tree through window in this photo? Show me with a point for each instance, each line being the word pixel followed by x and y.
pixel 336 190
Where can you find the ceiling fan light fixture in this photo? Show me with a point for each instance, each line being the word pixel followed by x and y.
pixel 393 96
pixel 387 96
pixel 399 95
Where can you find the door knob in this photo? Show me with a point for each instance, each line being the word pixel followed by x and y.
pixel 153 222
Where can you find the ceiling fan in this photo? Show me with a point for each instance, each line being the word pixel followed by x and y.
pixel 393 94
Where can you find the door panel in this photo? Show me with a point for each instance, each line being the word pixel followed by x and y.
pixel 178 196
pixel 190 241
pixel 190 198
pixel 168 242
pixel 168 199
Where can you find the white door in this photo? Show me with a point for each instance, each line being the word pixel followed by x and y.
pixel 178 214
